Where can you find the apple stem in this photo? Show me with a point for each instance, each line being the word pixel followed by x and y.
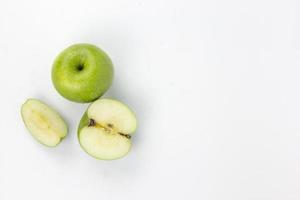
pixel 125 135
pixel 92 122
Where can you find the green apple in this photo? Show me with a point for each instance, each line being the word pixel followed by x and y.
pixel 105 129
pixel 44 123
pixel 82 73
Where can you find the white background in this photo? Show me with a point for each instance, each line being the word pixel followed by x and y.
pixel 215 85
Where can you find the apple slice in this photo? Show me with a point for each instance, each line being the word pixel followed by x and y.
pixel 45 124
pixel 105 129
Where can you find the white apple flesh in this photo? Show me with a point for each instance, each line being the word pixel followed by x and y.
pixel 106 128
pixel 44 124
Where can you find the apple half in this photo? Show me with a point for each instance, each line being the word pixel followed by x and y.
pixel 44 123
pixel 105 129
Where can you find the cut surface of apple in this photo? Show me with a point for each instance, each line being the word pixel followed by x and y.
pixel 105 129
pixel 44 123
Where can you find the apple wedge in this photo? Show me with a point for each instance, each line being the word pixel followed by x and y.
pixel 105 129
pixel 44 124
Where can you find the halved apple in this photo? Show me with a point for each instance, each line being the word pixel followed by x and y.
pixel 44 123
pixel 105 129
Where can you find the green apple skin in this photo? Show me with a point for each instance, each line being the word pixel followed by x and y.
pixel 82 73
pixel 84 121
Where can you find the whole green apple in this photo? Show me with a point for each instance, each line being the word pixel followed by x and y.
pixel 82 73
